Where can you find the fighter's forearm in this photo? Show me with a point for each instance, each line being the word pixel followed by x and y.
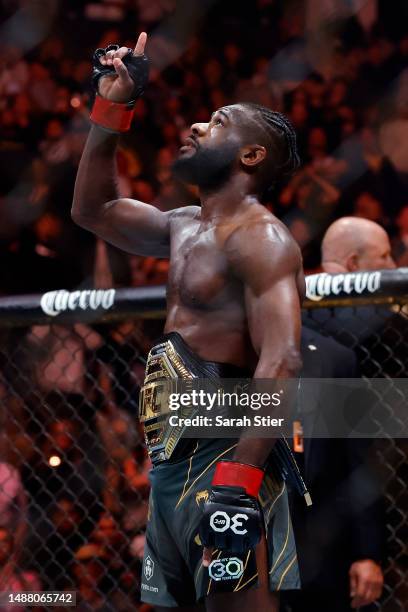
pixel 255 451
pixel 96 182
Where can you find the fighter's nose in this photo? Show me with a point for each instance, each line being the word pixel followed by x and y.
pixel 199 129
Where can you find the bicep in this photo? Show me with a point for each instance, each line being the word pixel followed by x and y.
pixel 134 227
pixel 268 262
pixel 274 317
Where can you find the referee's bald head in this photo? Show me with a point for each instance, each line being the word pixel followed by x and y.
pixel 353 243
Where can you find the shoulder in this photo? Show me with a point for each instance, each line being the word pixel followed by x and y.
pixel 183 213
pixel 261 237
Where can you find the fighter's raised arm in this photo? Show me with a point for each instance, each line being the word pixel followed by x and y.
pixel 119 77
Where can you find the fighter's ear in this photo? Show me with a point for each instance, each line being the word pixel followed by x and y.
pixel 252 155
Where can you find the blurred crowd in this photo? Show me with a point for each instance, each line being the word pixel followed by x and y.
pixel 340 77
pixel 73 466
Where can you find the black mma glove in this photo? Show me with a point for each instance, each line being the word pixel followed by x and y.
pixel 137 66
pixel 232 519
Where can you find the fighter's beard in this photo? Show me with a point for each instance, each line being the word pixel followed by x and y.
pixel 209 169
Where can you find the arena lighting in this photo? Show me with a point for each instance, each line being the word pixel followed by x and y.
pixel 54 461
pixel 75 101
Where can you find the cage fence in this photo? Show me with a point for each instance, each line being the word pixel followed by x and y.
pixel 73 467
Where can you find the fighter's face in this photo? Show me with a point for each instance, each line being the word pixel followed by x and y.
pixel 211 151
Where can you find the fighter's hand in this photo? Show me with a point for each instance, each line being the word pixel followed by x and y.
pixel 232 519
pixel 121 76
pixel 231 522
pixel 366 582
pixel 207 555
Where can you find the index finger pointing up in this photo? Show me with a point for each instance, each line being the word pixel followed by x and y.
pixel 140 45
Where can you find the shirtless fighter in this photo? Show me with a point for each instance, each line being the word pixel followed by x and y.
pixel 234 296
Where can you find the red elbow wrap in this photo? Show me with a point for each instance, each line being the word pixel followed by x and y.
pixel 112 116
pixel 234 474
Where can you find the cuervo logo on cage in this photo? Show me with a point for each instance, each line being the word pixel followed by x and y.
pixel 55 302
pixel 323 285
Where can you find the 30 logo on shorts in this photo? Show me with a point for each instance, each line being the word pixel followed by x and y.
pixel 230 568
pixel 221 521
pixel 148 569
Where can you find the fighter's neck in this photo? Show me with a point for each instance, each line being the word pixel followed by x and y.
pixel 226 201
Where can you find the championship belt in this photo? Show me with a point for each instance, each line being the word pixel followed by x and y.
pixel 164 368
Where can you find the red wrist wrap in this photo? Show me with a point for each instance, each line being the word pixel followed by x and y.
pixel 113 116
pixel 234 474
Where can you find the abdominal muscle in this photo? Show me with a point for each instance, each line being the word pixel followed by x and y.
pixel 219 336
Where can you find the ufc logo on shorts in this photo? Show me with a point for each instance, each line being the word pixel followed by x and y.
pixel 226 569
pixel 221 521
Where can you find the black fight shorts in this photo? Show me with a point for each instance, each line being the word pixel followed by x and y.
pixel 172 573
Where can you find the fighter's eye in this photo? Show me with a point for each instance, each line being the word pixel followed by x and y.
pixel 218 121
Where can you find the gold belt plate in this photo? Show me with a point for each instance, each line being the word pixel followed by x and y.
pixel 163 368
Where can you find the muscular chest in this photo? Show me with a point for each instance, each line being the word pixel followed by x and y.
pixel 199 271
